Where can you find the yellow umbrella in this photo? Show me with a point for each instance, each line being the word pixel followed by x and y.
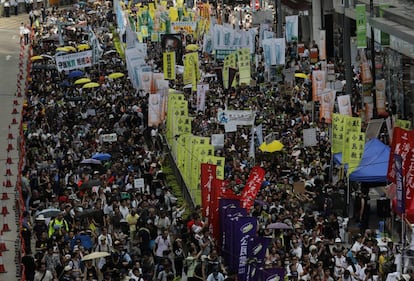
pixel 82 47
pixel 70 48
pixel 271 147
pixel 35 58
pixel 191 47
pixel 82 81
pixel 90 85
pixel 301 75
pixel 116 75
pixel 62 49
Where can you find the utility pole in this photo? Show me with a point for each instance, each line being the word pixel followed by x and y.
pixel 279 20
pixel 373 90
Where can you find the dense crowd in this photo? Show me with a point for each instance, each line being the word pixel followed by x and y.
pixel 76 206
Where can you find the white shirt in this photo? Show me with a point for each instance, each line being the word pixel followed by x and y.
pixel 162 245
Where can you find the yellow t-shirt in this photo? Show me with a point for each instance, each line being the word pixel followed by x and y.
pixel 132 221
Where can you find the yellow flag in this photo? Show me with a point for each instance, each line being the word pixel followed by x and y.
pixel 357 150
pixel 352 124
pixel 338 132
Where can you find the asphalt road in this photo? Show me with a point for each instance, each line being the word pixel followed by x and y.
pixel 10 51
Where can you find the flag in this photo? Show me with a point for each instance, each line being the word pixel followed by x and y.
pixel 361 25
pixel 357 150
pixel 252 187
pixel 338 132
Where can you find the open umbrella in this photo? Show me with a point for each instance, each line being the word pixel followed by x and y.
pixel 70 48
pixel 62 49
pixel 35 58
pixel 48 213
pixel 278 225
pixel 271 147
pixel 191 47
pixel 82 81
pixel 95 255
pixel 116 75
pixel 109 52
pixel 301 75
pixel 91 161
pixel 82 47
pixel 90 85
pixel 47 56
pixel 75 73
pixel 101 156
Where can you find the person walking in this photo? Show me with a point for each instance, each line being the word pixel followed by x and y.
pixel 7 9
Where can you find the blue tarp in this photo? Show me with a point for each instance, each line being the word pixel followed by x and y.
pixel 374 163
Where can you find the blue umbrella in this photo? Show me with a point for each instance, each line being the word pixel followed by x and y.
pixel 91 161
pixel 75 73
pixel 65 83
pixel 101 156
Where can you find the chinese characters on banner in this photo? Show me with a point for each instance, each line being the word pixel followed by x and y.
pixel 169 65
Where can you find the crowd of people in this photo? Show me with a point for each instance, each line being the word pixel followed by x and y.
pixel 77 205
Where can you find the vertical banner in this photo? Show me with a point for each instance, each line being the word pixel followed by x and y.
pixel 352 124
pixel 338 132
pixel 223 205
pixel 344 105
pixel 258 246
pixel 169 65
pixel 402 143
pixel 381 97
pixel 361 25
pixel 201 96
pixel 154 110
pixel 322 44
pixel 243 61
pixel 292 28
pixel 208 173
pixel 327 103
pixel 356 151
pixel 252 187
pixel 399 184
pixel 244 228
pixel 229 62
pixel 318 84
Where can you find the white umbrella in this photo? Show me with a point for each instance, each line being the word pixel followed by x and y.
pixel 95 255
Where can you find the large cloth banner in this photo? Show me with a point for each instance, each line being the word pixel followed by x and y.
pixel 189 27
pixel 236 117
pixel 322 44
pixel 97 50
pixel 208 173
pixel 243 61
pixel 344 104
pixel 274 51
pixel 74 61
pixel 273 274
pixel 257 251
pixel 352 124
pixel 357 150
pixel 227 38
pixel 318 84
pixel 222 206
pixel 327 103
pixel 361 25
pixel 338 132
pixel 252 187
pixel 292 28
pixel 403 124
pixel 202 89
pixel 380 87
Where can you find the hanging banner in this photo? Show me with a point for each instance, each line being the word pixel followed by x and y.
pixel 271 274
pixel 252 187
pixel 309 137
pixel 236 117
pixel 202 89
pixel 402 143
pixel 318 84
pixel 344 105
pixel 381 97
pixel 169 65
pixel 352 124
pixel 243 62
pixel 291 28
pixel 327 103
pixel 222 206
pixel 322 44
pixel 361 25
pixel 400 190
pixel 338 132
pixel 188 27
pixel 366 75
pixel 274 51
pixel 230 61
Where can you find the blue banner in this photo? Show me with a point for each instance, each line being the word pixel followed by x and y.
pixel 257 251
pixel 273 274
pixel 231 214
pixel 399 183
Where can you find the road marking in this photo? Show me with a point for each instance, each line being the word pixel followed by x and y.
pixel 14 37
pixel 8 57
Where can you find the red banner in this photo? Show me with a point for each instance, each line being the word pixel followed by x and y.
pixel 252 187
pixel 208 174
pixel 403 145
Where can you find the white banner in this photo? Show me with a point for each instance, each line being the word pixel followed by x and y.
pixel 109 137
pixel 344 105
pixel 236 117
pixel 226 38
pixel 74 61
pixel 201 96
pixel 309 137
pixel 292 30
pixel 274 51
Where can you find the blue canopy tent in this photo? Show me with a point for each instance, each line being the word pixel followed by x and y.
pixel 374 163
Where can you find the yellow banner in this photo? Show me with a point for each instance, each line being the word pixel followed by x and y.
pixel 169 65
pixel 352 124
pixel 338 132
pixel 229 61
pixel 191 71
pixel 173 14
pixel 243 61
pixel 357 150
pixel 403 124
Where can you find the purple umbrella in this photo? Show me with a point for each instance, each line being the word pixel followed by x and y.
pixel 278 225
